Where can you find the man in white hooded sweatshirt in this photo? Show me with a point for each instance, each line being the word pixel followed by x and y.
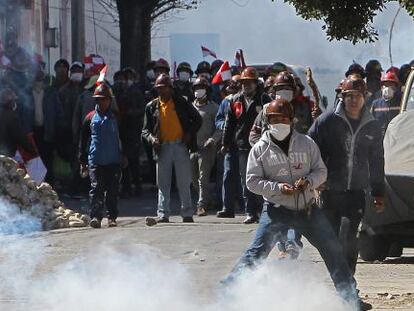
pixel 284 167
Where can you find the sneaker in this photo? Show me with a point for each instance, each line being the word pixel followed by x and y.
pixel 251 220
pixel 151 221
pixel 364 306
pixel 95 223
pixel 188 219
pixel 162 220
pixel 225 214
pixel 201 211
pixel 293 251
pixel 112 223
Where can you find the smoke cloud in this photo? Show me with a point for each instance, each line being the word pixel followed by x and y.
pixel 123 276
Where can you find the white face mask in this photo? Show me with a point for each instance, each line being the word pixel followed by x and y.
pixel 200 93
pixel 280 131
pixel 388 92
pixel 151 74
pixel 184 76
pixel 130 82
pixel 285 94
pixel 76 76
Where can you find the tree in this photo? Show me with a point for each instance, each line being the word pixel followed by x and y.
pixel 135 21
pixel 346 19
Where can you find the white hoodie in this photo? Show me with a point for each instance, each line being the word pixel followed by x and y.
pixel 268 166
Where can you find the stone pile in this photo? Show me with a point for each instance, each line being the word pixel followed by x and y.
pixel 41 201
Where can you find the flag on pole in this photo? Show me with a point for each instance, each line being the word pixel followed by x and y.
pixel 32 163
pixel 243 63
pixel 175 71
pixel 206 52
pixel 224 74
pixel 237 60
pixel 102 75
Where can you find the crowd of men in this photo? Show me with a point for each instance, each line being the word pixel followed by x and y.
pixel 270 149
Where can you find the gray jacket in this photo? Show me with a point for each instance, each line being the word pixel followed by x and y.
pixel 268 166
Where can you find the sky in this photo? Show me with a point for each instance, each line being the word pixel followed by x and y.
pixel 271 31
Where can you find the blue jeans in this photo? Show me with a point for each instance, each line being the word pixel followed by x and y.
pixel 274 222
pixel 251 200
pixel 174 155
pixel 105 180
pixel 231 192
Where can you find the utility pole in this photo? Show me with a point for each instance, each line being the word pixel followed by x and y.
pixel 78 29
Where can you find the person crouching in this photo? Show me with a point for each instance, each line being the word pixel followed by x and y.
pixel 284 167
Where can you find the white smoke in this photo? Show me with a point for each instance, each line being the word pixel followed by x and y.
pixel 125 276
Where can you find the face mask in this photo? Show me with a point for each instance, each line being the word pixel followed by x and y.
pixel 184 76
pixel 76 77
pixel 280 130
pixel 388 92
pixel 151 74
pixel 200 93
pixel 285 94
pixel 129 82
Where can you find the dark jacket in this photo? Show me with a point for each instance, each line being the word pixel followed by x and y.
pixel 68 96
pixel 355 160
pixel 100 142
pixel 184 89
pixel 12 135
pixel 188 116
pixel 302 107
pixel 132 113
pixel 240 121
pixel 386 110
pixel 52 112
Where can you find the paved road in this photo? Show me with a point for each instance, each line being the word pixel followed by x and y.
pixel 197 256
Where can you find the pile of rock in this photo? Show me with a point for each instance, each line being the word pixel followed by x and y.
pixel 41 201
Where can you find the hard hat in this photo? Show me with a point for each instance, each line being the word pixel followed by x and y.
pixel 249 73
pixel 163 80
pixel 279 106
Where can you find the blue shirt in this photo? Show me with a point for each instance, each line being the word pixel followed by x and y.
pixel 105 144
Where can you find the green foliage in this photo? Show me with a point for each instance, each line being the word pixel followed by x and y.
pixel 350 20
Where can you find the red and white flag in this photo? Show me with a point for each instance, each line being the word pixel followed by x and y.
pixel 224 74
pixel 207 52
pixel 239 60
pixel 31 162
pixel 102 75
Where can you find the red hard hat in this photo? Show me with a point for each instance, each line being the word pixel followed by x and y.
pixel 279 106
pixel 102 90
pixel 249 73
pixel 353 85
pixel 162 63
pixel 390 77
pixel 285 79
